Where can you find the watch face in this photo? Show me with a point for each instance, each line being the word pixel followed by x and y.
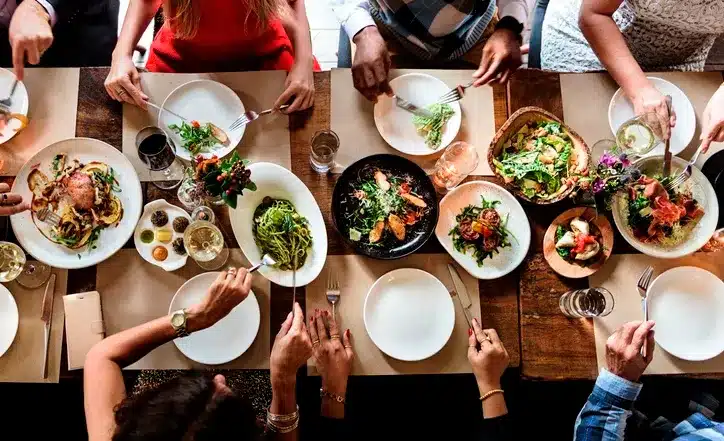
pixel 178 319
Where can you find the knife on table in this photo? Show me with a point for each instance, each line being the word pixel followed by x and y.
pixel 461 292
pixel 404 104
pixel 47 317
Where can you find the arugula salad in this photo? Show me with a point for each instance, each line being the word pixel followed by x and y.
pixel 432 128
pixel 482 230
pixel 199 138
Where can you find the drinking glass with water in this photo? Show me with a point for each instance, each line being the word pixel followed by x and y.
pixel 325 145
pixel 589 302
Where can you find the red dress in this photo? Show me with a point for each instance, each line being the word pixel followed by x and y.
pixel 227 41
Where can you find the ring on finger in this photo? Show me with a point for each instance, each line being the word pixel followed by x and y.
pixel 348 346
pixel 315 342
pixel 120 91
pixel 334 336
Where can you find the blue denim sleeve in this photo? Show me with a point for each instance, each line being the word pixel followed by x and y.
pixel 603 417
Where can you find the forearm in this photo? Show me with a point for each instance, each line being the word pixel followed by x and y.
pixel 284 402
pixel 518 9
pixel 138 16
pixel 332 408
pixel 297 27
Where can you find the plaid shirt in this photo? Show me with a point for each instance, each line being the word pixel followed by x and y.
pixel 603 417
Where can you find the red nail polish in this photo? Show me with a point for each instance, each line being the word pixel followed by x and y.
pixel 326 313
pixel 346 332
pixel 470 332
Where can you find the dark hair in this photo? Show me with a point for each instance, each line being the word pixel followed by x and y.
pixel 187 408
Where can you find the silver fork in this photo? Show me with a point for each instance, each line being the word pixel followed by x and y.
pixel 643 287
pixel 47 216
pixel 333 293
pixel 7 102
pixel 250 116
pixel 455 94
pixel 684 176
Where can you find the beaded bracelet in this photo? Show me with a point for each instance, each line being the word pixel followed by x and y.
pixel 325 393
pixel 490 394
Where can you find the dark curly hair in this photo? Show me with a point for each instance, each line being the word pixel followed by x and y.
pixel 186 408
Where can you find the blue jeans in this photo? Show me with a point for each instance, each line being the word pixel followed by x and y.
pixel 344 50
pixel 536 36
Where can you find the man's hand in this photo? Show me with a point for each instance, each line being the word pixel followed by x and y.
pixel 623 350
pixel 11 203
pixel 30 35
pixel 713 121
pixel 501 57
pixel 228 290
pixel 371 64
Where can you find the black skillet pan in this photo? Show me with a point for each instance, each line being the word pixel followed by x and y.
pixel 713 169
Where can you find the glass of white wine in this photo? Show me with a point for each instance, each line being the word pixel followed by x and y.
pixel 641 134
pixel 15 266
pixel 205 244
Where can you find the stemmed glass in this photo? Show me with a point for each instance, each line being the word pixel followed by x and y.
pixel 204 242
pixel 156 151
pixel 15 266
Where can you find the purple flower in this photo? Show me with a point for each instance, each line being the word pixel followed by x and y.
pixel 608 159
pixel 598 185
pixel 624 160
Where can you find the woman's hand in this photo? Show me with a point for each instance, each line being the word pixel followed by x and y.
pixel 11 203
pixel 623 350
pixel 490 361
pixel 124 83
pixel 228 290
pixel 300 86
pixel 332 351
pixel 713 124
pixel 648 100
pixel 501 57
pixel 292 348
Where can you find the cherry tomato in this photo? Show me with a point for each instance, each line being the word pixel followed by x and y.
pixel 195 124
pixel 405 188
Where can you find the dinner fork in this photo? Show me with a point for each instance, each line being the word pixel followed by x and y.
pixel 684 175
pixel 455 94
pixel 47 216
pixel 250 116
pixel 7 102
pixel 333 293
pixel 643 287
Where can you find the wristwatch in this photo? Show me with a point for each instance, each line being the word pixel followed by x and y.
pixel 178 321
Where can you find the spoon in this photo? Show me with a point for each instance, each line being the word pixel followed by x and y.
pixel 216 131
pixel 265 261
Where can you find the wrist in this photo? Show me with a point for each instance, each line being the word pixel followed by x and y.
pixel 283 382
pixel 196 319
pixel 366 34
pixel 335 387
pixel 120 53
pixel 486 386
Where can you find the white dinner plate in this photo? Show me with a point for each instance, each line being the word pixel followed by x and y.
pixel 469 194
pixel 409 314
pixel 620 110
pixel 687 304
pixel 226 340
pixel 203 101
pixel 174 260
pixel 111 239
pixel 277 182
pixel 9 319
pixel 395 124
pixel 20 103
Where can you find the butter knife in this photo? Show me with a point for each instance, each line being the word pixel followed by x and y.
pixel 47 317
pixel 404 104
pixel 461 292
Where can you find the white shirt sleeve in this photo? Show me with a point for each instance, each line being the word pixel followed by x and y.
pixel 50 9
pixel 353 15
pixel 518 9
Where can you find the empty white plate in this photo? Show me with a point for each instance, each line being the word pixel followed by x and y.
pixel 229 338
pixel 203 101
pixel 395 124
pixel 9 319
pixel 620 110
pixel 409 314
pixel 687 304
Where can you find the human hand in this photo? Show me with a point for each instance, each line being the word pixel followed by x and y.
pixel 124 83
pixel 490 361
pixel 649 101
pixel 300 85
pixel 30 35
pixel 332 351
pixel 371 65
pixel 712 127
pixel 292 348
pixel 623 350
pixel 501 57
pixel 11 203
pixel 228 290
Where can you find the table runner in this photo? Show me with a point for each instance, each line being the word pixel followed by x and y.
pixel 264 140
pixel 619 276
pixel 53 105
pixel 23 362
pixel 133 292
pixel 352 118
pixel 355 275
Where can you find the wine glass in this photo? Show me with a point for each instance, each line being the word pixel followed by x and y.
pixel 641 134
pixel 15 266
pixel 205 244
pixel 156 151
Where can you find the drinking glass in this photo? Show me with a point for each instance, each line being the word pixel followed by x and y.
pixel 15 266
pixel 716 243
pixel 456 163
pixel 589 302
pixel 205 244
pixel 325 144
pixel 157 152
pixel 641 134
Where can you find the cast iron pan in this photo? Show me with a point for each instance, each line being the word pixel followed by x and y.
pixel 713 169
pixel 389 247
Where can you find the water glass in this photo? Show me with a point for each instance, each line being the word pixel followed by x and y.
pixel 157 152
pixel 325 144
pixel 456 163
pixel 589 302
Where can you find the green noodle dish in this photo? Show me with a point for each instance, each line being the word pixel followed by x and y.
pixel 280 231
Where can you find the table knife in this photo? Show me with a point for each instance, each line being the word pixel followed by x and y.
pixel 47 317
pixel 667 143
pixel 404 104
pixel 461 293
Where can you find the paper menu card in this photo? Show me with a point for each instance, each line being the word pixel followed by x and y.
pixel 355 275
pixel 620 276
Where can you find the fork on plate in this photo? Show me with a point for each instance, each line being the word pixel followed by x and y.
pixel 250 116
pixel 455 94
pixel 643 287
pixel 47 216
pixel 684 175
pixel 7 102
pixel 333 293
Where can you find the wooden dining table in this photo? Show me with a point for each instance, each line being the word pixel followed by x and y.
pixel 522 306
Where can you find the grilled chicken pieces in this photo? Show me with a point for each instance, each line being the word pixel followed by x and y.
pixel 376 232
pixel 381 180
pixel 414 200
pixel 397 226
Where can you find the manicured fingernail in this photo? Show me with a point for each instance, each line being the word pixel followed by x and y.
pixel 326 313
pixel 347 333
pixel 311 318
pixel 475 321
pixel 470 332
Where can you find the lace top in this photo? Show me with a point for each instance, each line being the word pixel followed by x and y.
pixel 661 34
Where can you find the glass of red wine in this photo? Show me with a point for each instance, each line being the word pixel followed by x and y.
pixel 157 152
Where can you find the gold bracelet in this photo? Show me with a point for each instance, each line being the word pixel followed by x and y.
pixel 274 427
pixel 325 393
pixel 490 394
pixel 283 418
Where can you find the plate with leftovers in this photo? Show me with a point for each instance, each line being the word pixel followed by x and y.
pixel 412 134
pixel 227 339
pixel 484 228
pixel 687 304
pixel 210 107
pixel 14 118
pixel 384 206
pixel 94 190
pixel 281 218
pixel 620 110
pixel 539 158
pixel 159 235
pixel 578 242
pixel 409 314
pixel 9 319
pixel 661 223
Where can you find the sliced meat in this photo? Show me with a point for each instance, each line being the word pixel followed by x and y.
pixel 490 217
pixel 381 180
pixel 491 243
pixel 414 200
pixel 81 191
pixel 376 232
pixel 654 189
pixel 397 226
pixel 467 232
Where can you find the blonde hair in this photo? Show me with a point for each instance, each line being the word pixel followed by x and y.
pixel 184 15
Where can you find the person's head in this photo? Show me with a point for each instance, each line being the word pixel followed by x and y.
pixel 184 15
pixel 194 407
